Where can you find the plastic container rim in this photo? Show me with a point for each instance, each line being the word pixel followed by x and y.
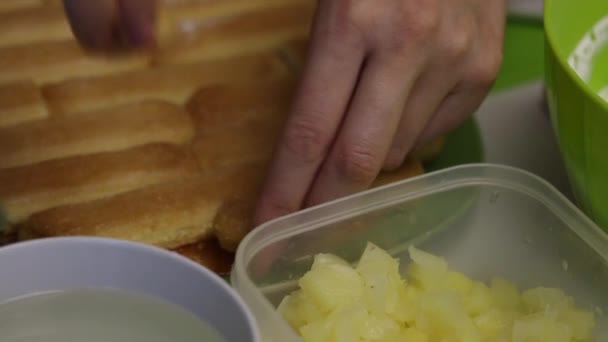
pixel 541 191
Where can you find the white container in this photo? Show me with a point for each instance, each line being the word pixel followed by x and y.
pixel 485 220
pixel 77 263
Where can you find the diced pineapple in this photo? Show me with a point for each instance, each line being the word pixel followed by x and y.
pixel 494 323
pixel 319 331
pixel 540 328
pixel 546 299
pixel 442 316
pixel 580 322
pixel 299 310
pixel 479 300
pixel 373 303
pixel 378 327
pixel 505 294
pixel 428 272
pixel 414 335
pixel 347 322
pixel 460 283
pixel 384 291
pixel 331 282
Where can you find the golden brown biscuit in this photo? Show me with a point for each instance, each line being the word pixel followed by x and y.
pixel 11 5
pixel 228 104
pixel 33 188
pixel 107 130
pixel 179 17
pixel 21 102
pixel 54 61
pixel 230 146
pixel 167 215
pixel 33 25
pixel 171 83
pixel 430 151
pixel 251 32
pixel 411 168
pixel 208 253
pixel 234 219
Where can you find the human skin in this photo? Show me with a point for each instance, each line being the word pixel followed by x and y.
pixel 382 77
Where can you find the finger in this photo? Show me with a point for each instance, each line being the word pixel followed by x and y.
pixel 454 42
pixel 425 99
pixel 138 21
pixel 454 110
pixel 328 80
pixel 369 128
pixel 479 74
pixel 93 22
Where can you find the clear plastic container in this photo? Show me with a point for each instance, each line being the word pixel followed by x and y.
pixel 486 220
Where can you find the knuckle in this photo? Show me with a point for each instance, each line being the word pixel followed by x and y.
pixel 344 21
pixel 358 164
pixel 306 139
pixel 422 20
pixel 484 72
pixel 458 43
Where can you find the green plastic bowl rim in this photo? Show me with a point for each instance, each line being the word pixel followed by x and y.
pixel 562 60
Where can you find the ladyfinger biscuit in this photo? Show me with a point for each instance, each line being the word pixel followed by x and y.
pixel 209 254
pixel 430 151
pixel 170 83
pixel 167 215
pixel 105 130
pixel 228 104
pixel 33 25
pixel 235 145
pixel 33 188
pixel 411 168
pixel 180 17
pixel 54 61
pixel 234 219
pixel 248 33
pixel 11 5
pixel 21 102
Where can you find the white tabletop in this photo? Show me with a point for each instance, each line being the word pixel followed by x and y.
pixel 516 132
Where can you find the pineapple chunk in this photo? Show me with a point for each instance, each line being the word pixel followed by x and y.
pixel 580 322
pixel 540 328
pixel 428 272
pixel 299 310
pixel 385 291
pixel 505 294
pixel 414 335
pixel 546 299
pixel 373 303
pixel 479 300
pixel 442 315
pixel 460 283
pixel 331 283
pixel 495 324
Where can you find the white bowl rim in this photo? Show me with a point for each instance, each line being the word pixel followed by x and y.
pixel 145 248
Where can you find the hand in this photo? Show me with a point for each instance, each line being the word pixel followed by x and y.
pixel 382 77
pixel 106 25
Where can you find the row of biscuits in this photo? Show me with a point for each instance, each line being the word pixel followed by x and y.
pixel 167 148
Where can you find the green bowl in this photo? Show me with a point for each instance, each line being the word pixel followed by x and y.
pixel 579 114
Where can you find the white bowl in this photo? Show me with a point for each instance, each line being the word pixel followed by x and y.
pixel 81 262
